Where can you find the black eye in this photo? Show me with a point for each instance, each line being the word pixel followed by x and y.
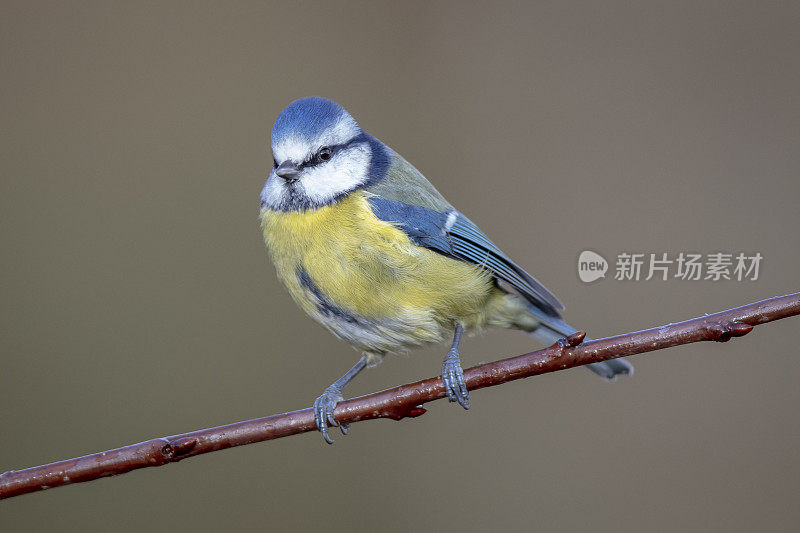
pixel 274 163
pixel 325 153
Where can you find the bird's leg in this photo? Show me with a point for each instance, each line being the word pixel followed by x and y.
pixel 326 403
pixel 453 374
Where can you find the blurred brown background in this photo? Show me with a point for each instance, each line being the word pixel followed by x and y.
pixel 138 301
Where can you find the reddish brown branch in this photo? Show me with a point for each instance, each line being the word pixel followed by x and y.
pixel 400 402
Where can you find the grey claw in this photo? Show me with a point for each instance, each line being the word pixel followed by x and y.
pixel 453 377
pixel 323 412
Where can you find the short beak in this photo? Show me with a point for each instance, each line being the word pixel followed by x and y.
pixel 288 171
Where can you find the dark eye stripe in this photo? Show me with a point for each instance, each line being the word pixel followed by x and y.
pixel 333 148
pixel 314 160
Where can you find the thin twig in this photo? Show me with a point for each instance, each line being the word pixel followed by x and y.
pixel 400 402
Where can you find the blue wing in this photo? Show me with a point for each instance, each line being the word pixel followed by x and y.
pixel 454 235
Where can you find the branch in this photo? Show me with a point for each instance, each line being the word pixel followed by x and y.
pixel 400 402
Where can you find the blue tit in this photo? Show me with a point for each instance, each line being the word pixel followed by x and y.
pixel 370 249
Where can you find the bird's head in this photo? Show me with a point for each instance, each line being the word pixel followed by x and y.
pixel 320 154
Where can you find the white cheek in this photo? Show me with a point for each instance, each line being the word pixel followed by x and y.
pixel 346 171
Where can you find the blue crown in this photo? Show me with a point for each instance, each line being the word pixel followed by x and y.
pixel 307 118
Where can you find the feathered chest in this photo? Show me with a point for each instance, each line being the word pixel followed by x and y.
pixel 341 259
pixel 342 236
pixel 342 248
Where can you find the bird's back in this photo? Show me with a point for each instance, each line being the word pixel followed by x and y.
pixel 404 183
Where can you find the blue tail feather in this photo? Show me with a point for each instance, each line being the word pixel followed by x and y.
pixel 551 329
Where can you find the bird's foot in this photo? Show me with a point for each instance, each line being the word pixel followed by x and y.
pixel 453 377
pixel 323 412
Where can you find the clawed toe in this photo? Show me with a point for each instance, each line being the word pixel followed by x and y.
pixel 453 377
pixel 326 403
pixel 323 412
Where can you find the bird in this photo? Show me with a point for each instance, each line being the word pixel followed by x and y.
pixel 368 248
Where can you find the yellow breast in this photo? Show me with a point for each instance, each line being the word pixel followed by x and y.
pixel 371 269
